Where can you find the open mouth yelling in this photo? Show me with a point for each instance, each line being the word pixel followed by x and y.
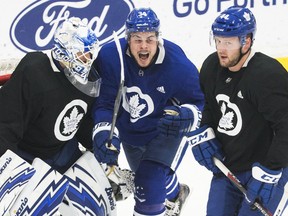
pixel 143 55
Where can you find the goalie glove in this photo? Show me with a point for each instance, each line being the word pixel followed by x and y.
pixel 178 120
pixel 262 183
pixel 121 180
pixel 102 151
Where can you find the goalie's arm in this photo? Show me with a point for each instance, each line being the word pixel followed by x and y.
pixel 13 114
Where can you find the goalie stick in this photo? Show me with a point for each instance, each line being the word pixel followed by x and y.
pixel 119 93
pixel 209 134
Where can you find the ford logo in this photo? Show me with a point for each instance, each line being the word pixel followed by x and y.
pixel 34 27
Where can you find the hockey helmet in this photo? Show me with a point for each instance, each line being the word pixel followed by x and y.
pixel 76 46
pixel 142 20
pixel 235 21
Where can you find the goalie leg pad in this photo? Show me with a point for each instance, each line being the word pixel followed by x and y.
pixel 43 193
pixel 90 192
pixel 14 175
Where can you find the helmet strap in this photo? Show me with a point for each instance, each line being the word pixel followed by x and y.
pixel 242 54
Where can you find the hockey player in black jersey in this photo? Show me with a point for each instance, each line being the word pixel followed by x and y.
pixel 246 96
pixel 45 106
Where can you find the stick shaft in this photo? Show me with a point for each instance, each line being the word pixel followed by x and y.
pixel 120 90
pixel 238 184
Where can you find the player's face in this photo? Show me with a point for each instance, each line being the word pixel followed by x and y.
pixel 143 46
pixel 228 50
pixel 84 57
pixel 231 53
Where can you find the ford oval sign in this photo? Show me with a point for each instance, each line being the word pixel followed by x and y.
pixel 34 27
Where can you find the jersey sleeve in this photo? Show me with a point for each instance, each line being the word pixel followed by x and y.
pixel 191 88
pixel 14 100
pixel 270 95
pixel 110 74
pixel 207 84
pixel 184 76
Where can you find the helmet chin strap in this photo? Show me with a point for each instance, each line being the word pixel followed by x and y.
pixel 241 54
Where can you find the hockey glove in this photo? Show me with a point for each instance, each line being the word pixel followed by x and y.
pixel 178 120
pixel 206 147
pixel 262 183
pixel 102 151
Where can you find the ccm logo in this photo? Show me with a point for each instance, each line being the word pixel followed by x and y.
pixel 203 136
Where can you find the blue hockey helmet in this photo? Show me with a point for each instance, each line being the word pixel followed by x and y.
pixel 235 21
pixel 76 46
pixel 142 20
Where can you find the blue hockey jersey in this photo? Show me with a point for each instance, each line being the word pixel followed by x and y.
pixel 171 79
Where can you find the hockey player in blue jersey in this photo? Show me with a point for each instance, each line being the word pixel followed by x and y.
pixel 246 105
pixel 158 77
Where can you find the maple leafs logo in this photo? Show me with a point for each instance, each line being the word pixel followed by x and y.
pixel 226 121
pixel 134 106
pixel 71 122
pixel 247 16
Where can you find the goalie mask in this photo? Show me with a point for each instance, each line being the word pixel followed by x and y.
pixel 76 46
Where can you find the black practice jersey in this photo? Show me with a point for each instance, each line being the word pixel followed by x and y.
pixel 41 110
pixel 248 110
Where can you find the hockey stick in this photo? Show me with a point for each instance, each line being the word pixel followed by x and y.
pixel 238 184
pixel 208 134
pixel 119 93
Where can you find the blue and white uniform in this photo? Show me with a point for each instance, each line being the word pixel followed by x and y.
pixel 169 80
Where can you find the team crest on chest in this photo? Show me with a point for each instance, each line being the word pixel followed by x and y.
pixel 231 120
pixel 136 103
pixel 68 120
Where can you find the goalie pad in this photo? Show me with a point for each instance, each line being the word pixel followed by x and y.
pixel 14 175
pixel 121 180
pixel 43 193
pixel 90 192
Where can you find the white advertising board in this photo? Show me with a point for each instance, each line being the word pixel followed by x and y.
pixel 28 25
